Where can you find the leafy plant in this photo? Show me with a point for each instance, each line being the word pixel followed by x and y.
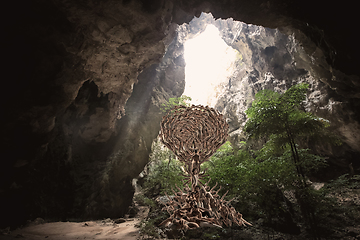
pixel 252 181
pixel 144 201
pixel 148 229
pixel 258 179
pixel 183 100
pixel 345 181
pixel 281 118
pixel 164 172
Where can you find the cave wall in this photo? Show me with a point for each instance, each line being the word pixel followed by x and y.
pixel 275 61
pixel 270 59
pixel 84 81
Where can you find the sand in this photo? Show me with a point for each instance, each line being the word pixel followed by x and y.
pixel 101 229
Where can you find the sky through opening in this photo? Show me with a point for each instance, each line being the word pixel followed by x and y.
pixel 209 62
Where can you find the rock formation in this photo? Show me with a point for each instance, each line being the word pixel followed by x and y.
pixel 85 79
pixel 272 60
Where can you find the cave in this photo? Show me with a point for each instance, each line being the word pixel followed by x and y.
pixel 84 82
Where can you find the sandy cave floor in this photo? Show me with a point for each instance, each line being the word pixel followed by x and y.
pixel 349 229
pixel 101 229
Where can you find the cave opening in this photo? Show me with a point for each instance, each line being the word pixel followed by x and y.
pixel 226 64
pixel 220 53
pixel 83 111
pixel 209 63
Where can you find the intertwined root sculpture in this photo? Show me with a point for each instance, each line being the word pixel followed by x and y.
pixel 194 134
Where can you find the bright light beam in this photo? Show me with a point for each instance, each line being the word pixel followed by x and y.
pixel 209 62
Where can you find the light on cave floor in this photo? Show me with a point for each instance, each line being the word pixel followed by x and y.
pixel 209 63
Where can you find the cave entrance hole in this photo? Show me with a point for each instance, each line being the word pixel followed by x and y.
pixel 209 61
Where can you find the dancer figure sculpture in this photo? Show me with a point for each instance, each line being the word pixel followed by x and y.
pixel 194 134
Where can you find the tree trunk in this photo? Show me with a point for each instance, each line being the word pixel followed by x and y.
pixel 307 213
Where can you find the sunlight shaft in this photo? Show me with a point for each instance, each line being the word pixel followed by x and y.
pixel 209 63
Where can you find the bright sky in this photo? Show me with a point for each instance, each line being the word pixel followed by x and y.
pixel 209 62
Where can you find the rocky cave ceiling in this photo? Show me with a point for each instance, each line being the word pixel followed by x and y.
pixel 84 81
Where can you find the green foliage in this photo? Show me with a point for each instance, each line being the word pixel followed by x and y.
pixel 280 118
pixel 228 170
pixel 273 113
pixel 144 201
pixel 311 163
pixel 250 180
pixel 258 180
pixel 281 115
pixel 183 100
pixel 345 181
pixel 148 229
pixel 164 175
pixel 160 153
pixel 164 171
pixel 210 235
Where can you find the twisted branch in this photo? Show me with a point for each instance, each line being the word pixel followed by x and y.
pixel 194 134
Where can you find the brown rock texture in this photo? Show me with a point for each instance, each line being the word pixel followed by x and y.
pixel 84 81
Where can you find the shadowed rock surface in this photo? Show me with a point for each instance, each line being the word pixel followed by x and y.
pixel 84 81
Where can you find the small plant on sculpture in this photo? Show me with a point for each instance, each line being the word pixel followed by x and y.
pixel 194 133
pixel 177 101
